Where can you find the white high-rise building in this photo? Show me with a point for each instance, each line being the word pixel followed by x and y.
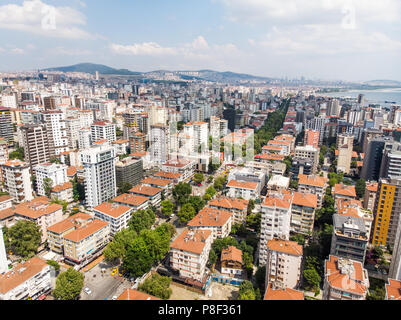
pixel 103 130
pixel 276 220
pixel 218 127
pixel 84 138
pixel 198 134
pixel 100 174
pixel 3 254
pixel 56 172
pixel 17 180
pixel 56 129
pixel 73 126
pixel 159 143
pixel 86 118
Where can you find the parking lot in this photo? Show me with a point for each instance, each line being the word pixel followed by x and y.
pixel 103 285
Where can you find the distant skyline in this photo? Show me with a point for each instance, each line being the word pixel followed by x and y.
pixel 350 40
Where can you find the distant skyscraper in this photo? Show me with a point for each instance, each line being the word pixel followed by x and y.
pixel 6 125
pixel 361 99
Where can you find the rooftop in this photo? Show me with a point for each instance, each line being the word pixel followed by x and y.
pixel 210 217
pixel 191 241
pixel 86 231
pixel 285 246
pixel 114 210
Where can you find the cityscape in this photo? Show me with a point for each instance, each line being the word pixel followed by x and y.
pixel 191 179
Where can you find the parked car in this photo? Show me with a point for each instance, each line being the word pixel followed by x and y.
pixel 88 291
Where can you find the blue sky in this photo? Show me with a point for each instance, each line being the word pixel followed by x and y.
pixel 318 39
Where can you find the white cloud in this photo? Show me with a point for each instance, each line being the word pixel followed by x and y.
pixel 312 11
pixel 143 49
pixel 326 40
pixel 37 17
pixel 17 51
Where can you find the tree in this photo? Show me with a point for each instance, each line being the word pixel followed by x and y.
pixel 294 184
pixel 219 183
pixel 142 219
pixel 157 286
pixel 299 238
pixel 124 187
pixel 181 193
pixel 197 202
pixel 25 237
pixel 167 208
pixel 199 177
pixel 62 203
pixel 78 190
pixel 116 249
pixel 186 213
pixel 253 221
pixel 138 260
pixel 246 291
pixel 47 186
pixel 360 188
pixel 211 191
pixel 54 264
pixel 17 154
pixel 260 277
pixel 251 206
pixel 312 280
pixel 69 285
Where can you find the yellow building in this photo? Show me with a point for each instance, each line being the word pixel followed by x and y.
pixel 386 212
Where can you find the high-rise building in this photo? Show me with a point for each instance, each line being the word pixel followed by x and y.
pixel 137 142
pixel 159 143
pixel 312 138
pixel 17 180
pixel 198 133
pixel 6 125
pixel 391 161
pixel 103 130
pixel 373 158
pixel 308 153
pixel 135 122
pixel 100 174
pixel 345 144
pixel 56 130
pixel 129 170
pixel 84 138
pixel 36 144
pixel 387 212
pixel 73 125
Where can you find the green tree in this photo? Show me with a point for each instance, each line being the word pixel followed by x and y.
pixel 47 186
pixel 25 237
pixel 299 238
pixel 186 213
pixel 312 280
pixel 246 291
pixel 211 191
pixel 142 219
pixel 138 260
pixel 197 202
pixel 253 221
pixel 157 286
pixel 17 154
pixel 124 187
pixel 115 250
pixel 251 206
pixel 360 188
pixel 54 264
pixel 181 193
pixel 219 183
pixel 69 285
pixel 167 208
pixel 199 177
pixel 260 278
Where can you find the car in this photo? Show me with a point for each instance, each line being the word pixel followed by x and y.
pixel 88 291
pixel 114 298
pixel 172 216
pixel 120 274
pixel 114 272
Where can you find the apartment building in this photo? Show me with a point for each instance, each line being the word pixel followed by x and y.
pixel 137 142
pixel 350 237
pixel 342 191
pixel 56 232
pixel 189 254
pixel 56 172
pixel 135 295
pixel 164 184
pixel 313 184
pixel 285 147
pixel 199 136
pixel 129 170
pixel 278 182
pixel 243 189
pixel 218 127
pixel 159 143
pixel 133 201
pixel 303 212
pixel 17 180
pixel 308 153
pixel 63 192
pixel 6 125
pixel 100 174
pixel 115 214
pixel 85 138
pixel 283 263
pixel 103 130
pixel 217 221
pixel 312 138
pixel 276 291
pixel 86 118
pixel 28 280
pixel 154 194
pixel 353 208
pixel 37 147
pixel 86 243
pixel 393 290
pixel 56 130
pixel 231 262
pixel 41 212
pixel 238 208
pixel 121 146
pixel 184 167
pixel 276 218
pixel 174 177
pixel 345 144
pixel 386 211
pixel 73 125
pixel 344 279
pixel 369 197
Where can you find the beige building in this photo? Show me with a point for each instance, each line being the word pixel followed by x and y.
pixel 345 144
pixel 342 191
pixel 243 189
pixel 189 254
pixel 284 263
pixel 116 214
pixel 344 279
pixel 313 184
pixel 310 153
pixel 303 212
pixel 370 195
pixel 17 180
pixel 87 242
pixel 238 207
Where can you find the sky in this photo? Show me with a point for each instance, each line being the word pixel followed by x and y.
pixel 351 40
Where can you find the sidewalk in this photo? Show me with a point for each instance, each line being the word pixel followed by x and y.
pixel 93 264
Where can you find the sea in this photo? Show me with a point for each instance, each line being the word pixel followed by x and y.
pixel 379 96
